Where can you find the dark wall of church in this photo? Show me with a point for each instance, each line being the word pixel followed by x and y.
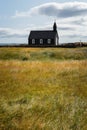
pixel 45 42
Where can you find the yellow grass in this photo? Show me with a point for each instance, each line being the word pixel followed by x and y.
pixel 43 94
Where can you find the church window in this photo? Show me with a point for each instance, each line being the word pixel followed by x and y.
pixel 49 41
pixel 41 41
pixel 33 41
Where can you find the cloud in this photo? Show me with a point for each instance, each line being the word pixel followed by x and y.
pixel 71 18
pixel 80 21
pixel 9 32
pixel 21 14
pixel 59 10
pixel 65 28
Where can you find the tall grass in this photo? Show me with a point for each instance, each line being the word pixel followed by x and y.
pixel 43 54
pixel 48 95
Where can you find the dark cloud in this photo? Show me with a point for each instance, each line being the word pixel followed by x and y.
pixel 76 36
pixel 61 10
pixel 80 21
pixel 14 35
pixel 8 33
pixel 65 28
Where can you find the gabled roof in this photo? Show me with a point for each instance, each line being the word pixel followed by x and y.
pixel 42 34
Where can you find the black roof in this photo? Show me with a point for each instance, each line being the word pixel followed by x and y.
pixel 42 34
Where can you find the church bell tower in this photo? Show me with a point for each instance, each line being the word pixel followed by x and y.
pixel 55 27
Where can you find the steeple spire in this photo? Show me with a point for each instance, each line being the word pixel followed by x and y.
pixel 54 27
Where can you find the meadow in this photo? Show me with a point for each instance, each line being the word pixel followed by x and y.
pixel 43 88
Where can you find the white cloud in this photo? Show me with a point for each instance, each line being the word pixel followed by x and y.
pixel 9 32
pixel 59 10
pixel 71 18
pixel 21 14
pixel 67 33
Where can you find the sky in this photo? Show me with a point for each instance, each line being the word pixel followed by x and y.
pixel 19 17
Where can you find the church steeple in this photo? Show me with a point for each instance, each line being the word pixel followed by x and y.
pixel 55 27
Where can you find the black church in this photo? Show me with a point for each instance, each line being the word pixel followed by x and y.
pixel 44 37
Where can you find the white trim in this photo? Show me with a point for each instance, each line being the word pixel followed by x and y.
pixel 56 41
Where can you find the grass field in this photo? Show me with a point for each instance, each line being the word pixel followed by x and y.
pixel 43 89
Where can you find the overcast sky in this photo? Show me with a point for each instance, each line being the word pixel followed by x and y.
pixel 18 17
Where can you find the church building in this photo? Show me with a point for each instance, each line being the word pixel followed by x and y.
pixel 44 37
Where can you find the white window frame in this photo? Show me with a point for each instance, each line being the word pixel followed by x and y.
pixel 41 41
pixel 33 41
pixel 49 41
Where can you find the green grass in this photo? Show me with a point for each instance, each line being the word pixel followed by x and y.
pixel 43 89
pixel 43 54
